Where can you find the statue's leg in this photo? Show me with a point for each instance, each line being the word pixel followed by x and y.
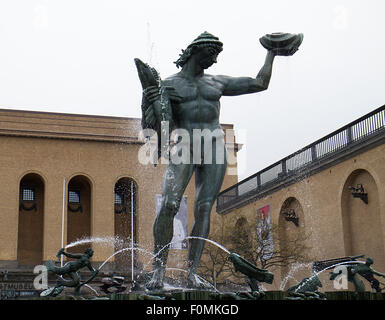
pixel 208 180
pixel 359 285
pixel 175 181
pixel 57 270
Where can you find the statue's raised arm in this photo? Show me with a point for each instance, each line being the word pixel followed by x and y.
pixel 281 44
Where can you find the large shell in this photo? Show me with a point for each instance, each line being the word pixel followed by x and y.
pixel 282 43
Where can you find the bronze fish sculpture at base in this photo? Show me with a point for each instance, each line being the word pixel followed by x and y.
pixel 248 269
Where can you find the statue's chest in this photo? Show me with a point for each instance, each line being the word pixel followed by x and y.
pixel 200 89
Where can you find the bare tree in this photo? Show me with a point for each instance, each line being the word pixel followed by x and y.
pixel 276 248
pixel 261 242
pixel 215 263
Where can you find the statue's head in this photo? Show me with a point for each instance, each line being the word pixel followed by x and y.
pixel 206 44
pixel 89 252
pixel 369 261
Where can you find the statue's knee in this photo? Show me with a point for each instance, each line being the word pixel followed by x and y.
pixel 171 206
pixel 204 205
pixel 202 215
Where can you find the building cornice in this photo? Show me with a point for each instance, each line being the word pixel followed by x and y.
pixel 33 124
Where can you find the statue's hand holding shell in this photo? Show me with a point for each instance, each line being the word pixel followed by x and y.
pixel 282 44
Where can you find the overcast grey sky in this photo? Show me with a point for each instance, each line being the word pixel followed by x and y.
pixel 77 57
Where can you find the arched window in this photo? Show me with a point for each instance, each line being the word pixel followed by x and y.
pixel 125 206
pixel 31 220
pixel 291 215
pixel 292 236
pixel 361 217
pixel 79 211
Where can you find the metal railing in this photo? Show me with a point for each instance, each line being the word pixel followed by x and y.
pixel 354 133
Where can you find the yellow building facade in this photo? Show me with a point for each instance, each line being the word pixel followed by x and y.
pixel 333 190
pixel 67 177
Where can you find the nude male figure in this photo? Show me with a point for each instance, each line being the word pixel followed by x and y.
pixel 195 105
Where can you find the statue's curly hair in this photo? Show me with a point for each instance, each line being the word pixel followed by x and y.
pixel 186 54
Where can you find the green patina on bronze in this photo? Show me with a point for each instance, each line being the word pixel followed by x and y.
pixel 190 100
pixel 254 273
pixel 364 270
pixel 70 270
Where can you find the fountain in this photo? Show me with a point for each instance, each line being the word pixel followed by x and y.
pixel 160 100
pixel 112 286
pixel 254 274
pixel 363 269
pixel 115 283
pixel 70 269
pixel 306 290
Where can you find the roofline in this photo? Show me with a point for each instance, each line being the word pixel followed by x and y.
pixel 82 115
pixel 68 114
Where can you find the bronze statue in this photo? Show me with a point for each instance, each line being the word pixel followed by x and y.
pixel 255 275
pixel 70 269
pixel 188 102
pixel 113 284
pixel 307 289
pixel 364 270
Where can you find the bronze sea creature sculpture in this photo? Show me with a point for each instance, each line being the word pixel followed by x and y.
pixel 254 273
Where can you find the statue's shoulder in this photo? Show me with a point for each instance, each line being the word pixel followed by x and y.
pixel 218 77
pixel 174 81
pixel 173 78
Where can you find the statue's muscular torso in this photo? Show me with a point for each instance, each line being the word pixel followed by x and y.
pixel 199 107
